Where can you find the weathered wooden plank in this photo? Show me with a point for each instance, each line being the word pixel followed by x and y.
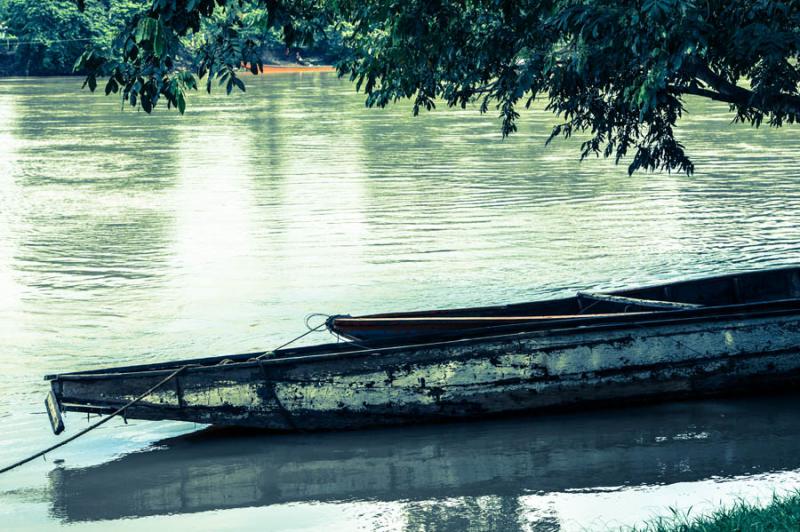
pixel 649 303
pixel 54 413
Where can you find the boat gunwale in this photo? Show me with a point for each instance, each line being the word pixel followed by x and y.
pixel 681 316
pixel 526 318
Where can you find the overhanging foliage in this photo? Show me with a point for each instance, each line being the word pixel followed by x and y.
pixel 617 70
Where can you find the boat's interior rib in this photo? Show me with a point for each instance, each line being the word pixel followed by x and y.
pixel 628 302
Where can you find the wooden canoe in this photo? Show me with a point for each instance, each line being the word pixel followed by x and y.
pixel 554 364
pixel 584 308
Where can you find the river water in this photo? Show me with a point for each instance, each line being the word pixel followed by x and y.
pixel 128 238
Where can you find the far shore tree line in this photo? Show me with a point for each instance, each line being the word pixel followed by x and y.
pixel 48 38
pixel 618 72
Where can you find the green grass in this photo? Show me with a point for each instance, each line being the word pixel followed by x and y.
pixel 783 513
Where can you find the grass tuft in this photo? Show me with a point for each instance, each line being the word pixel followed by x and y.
pixel 782 513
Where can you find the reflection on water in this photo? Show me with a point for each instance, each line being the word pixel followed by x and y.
pixel 129 238
pixel 478 473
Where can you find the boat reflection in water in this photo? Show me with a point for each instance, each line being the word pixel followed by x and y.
pixel 481 469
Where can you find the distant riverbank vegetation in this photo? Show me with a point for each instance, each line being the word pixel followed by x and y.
pixel 40 38
pixel 783 513
pixel 47 38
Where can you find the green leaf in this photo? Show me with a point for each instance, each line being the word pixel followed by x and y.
pixel 81 61
pixel 159 39
pixel 146 30
pixel 111 86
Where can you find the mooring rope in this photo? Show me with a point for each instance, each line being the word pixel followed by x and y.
pixel 296 338
pixel 90 428
pixel 122 409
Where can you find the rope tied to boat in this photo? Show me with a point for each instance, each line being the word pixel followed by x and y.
pixel 121 410
pixel 93 426
pixel 329 319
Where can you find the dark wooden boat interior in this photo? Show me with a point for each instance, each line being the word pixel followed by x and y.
pixel 733 290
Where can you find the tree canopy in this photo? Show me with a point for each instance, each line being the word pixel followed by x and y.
pixel 46 38
pixel 618 71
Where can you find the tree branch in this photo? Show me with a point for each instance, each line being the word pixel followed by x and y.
pixel 725 91
pixel 705 93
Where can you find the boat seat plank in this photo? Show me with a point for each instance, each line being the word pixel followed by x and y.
pixel 652 303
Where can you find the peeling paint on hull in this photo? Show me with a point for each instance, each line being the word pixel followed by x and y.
pixel 476 378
